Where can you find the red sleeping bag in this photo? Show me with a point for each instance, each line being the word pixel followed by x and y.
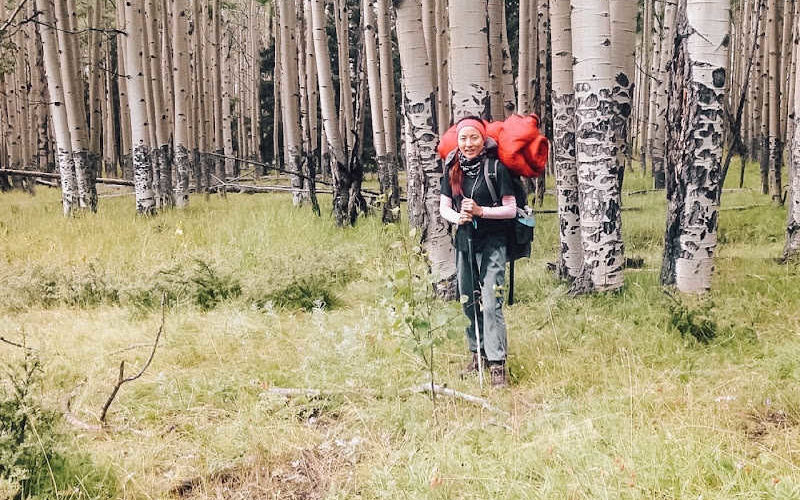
pixel 520 145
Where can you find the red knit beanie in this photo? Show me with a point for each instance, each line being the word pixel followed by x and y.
pixel 470 122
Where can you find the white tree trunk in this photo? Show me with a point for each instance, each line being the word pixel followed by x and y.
pixel 66 168
pixel 290 94
pixel 330 117
pixel 85 164
pixel 658 132
pixel 469 59
pixel 792 247
pixel 421 158
pixel 142 173
pixel 696 137
pixel 570 250
pixel 180 70
pixel 598 168
pixel 623 48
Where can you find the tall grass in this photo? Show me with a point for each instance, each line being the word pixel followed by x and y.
pixel 613 396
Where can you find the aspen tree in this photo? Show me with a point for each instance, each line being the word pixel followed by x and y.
pixel 509 94
pixel 340 172
pixel 421 147
pixel 95 79
pixel 225 63
pixel 163 169
pixel 180 60
pixel 623 36
pixel 386 65
pixel 775 158
pixel 469 70
pixel 658 133
pixel 85 164
pixel 290 96
pixel 312 93
pixel 494 19
pixel 695 141
pixel 792 247
pixel 570 255
pixel 134 49
pixel 598 167
pixel 523 102
pixel 390 200
pixel 443 111
pixel 126 161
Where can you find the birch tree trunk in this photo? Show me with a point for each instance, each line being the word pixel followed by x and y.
pixel 523 100
pixel 290 96
pixel 469 68
pixel 494 19
pixel 792 247
pixel 658 133
pixel 421 158
pixel 180 70
pixel 95 80
pixel 623 38
pixel 696 137
pixel 775 156
pixel 386 64
pixel 389 207
pixel 598 167
pixel 85 164
pixel 443 110
pixel 134 48
pixel 570 255
pixel 341 174
pixel 163 170
pixel 47 29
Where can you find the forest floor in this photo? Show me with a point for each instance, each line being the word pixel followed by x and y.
pixel 635 394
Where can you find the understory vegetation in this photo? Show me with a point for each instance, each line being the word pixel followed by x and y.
pixel 637 394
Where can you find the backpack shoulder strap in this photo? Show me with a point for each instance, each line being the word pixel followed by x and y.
pixel 491 178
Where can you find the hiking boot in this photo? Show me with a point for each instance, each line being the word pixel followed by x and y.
pixel 497 371
pixel 472 367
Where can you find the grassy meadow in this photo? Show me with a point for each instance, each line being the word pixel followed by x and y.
pixel 637 394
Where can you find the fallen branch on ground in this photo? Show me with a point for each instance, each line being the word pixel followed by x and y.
pixel 12 343
pixel 122 379
pixel 53 175
pixel 446 391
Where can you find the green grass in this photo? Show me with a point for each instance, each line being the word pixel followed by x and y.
pixel 612 395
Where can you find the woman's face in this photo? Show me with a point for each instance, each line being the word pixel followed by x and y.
pixel 470 142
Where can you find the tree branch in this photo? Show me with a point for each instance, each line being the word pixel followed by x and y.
pixel 121 378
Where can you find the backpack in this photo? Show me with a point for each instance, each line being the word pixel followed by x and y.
pixel 520 230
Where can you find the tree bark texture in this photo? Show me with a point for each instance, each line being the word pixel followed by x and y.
pixel 140 124
pixel 85 163
pixel 66 167
pixel 469 59
pixel 598 167
pixel 570 253
pixel 696 137
pixel 792 246
pixel 421 159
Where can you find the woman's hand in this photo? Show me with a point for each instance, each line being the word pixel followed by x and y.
pixel 464 218
pixel 469 206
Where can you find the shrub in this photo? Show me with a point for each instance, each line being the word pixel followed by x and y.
pixel 32 464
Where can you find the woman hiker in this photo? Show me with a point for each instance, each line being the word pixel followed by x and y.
pixel 480 242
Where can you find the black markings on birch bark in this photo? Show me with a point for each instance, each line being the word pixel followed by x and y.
pixel 694 145
pixel 596 152
pixel 424 168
